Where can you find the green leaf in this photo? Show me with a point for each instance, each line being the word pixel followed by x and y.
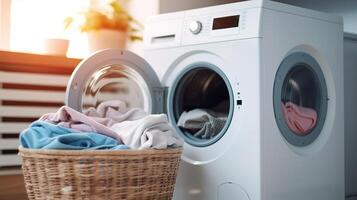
pixel 67 22
pixel 134 38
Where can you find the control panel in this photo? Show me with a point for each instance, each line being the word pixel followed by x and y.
pixel 218 23
pixel 202 26
pixel 219 26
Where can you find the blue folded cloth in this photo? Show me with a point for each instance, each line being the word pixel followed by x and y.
pixel 43 135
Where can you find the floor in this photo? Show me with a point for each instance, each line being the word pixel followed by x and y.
pixel 12 188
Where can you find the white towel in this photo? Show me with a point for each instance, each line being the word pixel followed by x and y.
pixel 135 127
pixel 203 124
pixel 151 131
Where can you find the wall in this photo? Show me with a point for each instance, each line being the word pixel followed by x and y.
pixel 141 10
pixel 345 8
pixel 172 6
pixel 5 24
pixel 350 48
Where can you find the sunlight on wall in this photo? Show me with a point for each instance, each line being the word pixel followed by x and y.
pixel 36 20
pixel 33 21
pixel 136 9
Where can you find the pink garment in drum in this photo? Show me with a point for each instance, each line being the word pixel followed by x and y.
pixel 299 119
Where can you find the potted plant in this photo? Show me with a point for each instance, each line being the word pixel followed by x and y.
pixel 107 26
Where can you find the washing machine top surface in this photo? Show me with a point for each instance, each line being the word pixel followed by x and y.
pixel 241 20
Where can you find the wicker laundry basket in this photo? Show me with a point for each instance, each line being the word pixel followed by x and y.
pixel 100 174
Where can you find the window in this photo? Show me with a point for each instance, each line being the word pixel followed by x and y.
pixel 24 24
pixel 35 20
pixel 4 23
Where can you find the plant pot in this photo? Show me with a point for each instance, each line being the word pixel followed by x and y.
pixel 106 38
pixel 56 46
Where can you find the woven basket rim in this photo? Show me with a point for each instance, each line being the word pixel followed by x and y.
pixel 106 152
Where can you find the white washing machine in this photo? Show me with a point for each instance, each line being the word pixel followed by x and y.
pixel 244 60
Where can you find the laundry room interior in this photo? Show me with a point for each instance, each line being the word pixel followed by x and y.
pixel 182 100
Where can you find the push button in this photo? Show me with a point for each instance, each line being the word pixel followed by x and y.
pixel 239 102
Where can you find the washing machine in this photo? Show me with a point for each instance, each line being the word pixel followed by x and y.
pixel 246 61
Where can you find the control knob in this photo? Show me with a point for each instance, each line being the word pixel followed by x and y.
pixel 195 27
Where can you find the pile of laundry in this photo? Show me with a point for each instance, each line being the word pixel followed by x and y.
pixel 109 126
pixel 298 118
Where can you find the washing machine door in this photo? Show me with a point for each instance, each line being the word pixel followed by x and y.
pixel 300 99
pixel 115 74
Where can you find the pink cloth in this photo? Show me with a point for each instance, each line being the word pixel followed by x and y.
pixel 94 120
pixel 299 119
pixel 69 118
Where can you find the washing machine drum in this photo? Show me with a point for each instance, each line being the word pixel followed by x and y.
pixel 202 88
pixel 201 99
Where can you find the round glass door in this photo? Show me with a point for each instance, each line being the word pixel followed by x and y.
pixel 201 104
pixel 300 99
pixel 114 75
pixel 116 82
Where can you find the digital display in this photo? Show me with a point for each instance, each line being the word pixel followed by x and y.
pixel 225 22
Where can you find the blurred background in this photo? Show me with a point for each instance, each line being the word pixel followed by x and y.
pixel 41 42
pixel 25 25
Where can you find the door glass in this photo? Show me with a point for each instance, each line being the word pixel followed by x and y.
pixel 116 82
pixel 300 99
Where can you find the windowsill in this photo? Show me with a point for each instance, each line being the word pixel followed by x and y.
pixel 18 58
